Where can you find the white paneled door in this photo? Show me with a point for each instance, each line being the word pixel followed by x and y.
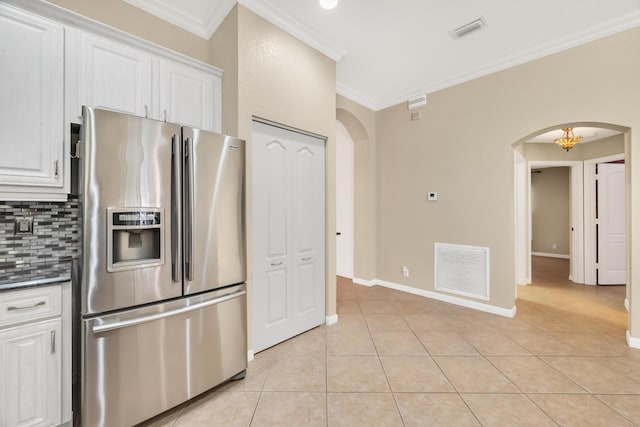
pixel 345 209
pixel 612 241
pixel 288 234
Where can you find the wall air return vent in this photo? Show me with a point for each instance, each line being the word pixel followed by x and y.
pixel 417 102
pixel 462 270
pixel 469 27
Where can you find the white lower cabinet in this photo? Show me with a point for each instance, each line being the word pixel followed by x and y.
pixel 35 356
pixel 32 375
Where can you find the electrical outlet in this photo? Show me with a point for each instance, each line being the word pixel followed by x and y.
pixel 23 225
pixel 405 271
pixel 554 246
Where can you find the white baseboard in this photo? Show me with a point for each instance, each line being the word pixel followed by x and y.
pixel 626 304
pixel 451 299
pixel 330 320
pixel 551 255
pixel 250 355
pixel 363 282
pixel 631 341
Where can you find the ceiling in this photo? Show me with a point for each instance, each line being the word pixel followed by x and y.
pixel 389 51
pixel 588 134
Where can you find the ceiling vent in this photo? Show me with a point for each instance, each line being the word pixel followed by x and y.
pixel 417 102
pixel 469 27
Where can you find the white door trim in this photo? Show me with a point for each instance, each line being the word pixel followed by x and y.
pixel 522 176
pixel 576 274
pixel 590 240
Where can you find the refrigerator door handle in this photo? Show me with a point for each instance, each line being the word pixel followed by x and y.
pixel 176 202
pixel 189 209
pixel 111 326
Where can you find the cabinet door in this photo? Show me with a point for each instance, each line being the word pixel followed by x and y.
pixel 111 75
pixel 189 96
pixel 30 368
pixel 31 110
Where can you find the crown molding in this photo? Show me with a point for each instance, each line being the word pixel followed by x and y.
pixel 216 15
pixel 80 22
pixel 357 97
pixel 203 27
pixel 607 28
pixel 294 27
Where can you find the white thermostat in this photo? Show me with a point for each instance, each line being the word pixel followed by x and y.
pixel 432 196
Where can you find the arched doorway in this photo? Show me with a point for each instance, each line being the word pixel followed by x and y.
pixel 345 204
pixel 357 190
pixel 606 141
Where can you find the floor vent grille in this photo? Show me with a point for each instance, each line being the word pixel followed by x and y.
pixel 462 270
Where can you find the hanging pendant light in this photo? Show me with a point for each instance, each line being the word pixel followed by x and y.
pixel 568 140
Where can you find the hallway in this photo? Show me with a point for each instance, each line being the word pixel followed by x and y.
pixel 587 308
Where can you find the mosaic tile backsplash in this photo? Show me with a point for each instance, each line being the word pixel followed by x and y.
pixel 48 252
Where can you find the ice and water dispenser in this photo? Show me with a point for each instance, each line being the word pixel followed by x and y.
pixel 135 238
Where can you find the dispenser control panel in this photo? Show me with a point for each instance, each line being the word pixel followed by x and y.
pixel 135 238
pixel 136 218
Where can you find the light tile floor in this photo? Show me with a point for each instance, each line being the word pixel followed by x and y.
pixel 395 359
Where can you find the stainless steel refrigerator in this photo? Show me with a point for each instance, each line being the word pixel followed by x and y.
pixel 161 301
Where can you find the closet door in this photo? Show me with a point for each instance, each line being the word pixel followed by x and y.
pixel 288 234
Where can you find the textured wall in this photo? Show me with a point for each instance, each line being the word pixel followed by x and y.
pixel 47 252
pixel 463 148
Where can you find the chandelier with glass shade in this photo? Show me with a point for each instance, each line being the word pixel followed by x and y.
pixel 568 140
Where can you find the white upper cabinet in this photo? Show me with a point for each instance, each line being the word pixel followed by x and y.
pixel 109 75
pixel 113 75
pixel 31 111
pixel 53 62
pixel 189 96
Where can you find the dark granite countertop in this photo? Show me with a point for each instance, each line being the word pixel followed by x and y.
pixel 34 283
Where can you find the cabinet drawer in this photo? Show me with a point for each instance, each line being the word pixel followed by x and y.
pixel 29 304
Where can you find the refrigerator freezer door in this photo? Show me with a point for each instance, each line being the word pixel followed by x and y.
pixel 214 221
pixel 127 167
pixel 139 363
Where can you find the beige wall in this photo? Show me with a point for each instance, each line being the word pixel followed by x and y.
pixel 272 75
pixel 550 210
pixel 132 20
pixel 223 52
pixel 462 148
pixel 603 148
pixel 360 123
pixel 583 151
pixel 284 80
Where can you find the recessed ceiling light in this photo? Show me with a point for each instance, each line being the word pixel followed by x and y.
pixel 328 4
